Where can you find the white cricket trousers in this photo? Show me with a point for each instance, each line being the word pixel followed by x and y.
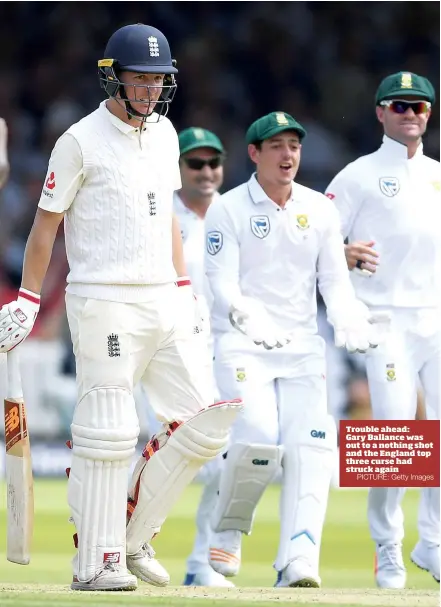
pixel 120 344
pixel 277 386
pixel 413 350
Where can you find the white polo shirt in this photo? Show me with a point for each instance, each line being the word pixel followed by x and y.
pixel 395 202
pixel 257 249
pixel 116 187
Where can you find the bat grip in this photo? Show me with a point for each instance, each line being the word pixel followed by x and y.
pixel 14 378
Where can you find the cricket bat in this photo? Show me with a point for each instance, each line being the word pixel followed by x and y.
pixel 19 480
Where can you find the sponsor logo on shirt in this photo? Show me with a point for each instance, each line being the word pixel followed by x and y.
pixel 50 181
pixel 215 240
pixel 389 186
pixel 260 225
pixel 330 196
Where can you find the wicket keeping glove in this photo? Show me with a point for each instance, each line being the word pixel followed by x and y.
pixel 359 329
pixel 17 319
pixel 250 318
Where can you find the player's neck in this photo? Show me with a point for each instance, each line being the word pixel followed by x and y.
pixel 198 205
pixel 412 147
pixel 280 194
pixel 119 110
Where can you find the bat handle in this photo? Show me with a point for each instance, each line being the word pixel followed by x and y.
pixel 14 378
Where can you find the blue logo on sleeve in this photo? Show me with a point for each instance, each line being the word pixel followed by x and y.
pixel 215 240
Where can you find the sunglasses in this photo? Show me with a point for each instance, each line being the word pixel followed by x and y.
pixel 197 164
pixel 399 106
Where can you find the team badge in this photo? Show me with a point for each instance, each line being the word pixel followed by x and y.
pixel 260 225
pixel 406 81
pixel 281 118
pixel 302 222
pixel 389 186
pixel 240 374
pixel 390 372
pixel 153 46
pixel 215 241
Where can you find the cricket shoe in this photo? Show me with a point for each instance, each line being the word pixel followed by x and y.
pixel 390 571
pixel 146 567
pixel 207 577
pixel 298 574
pixel 109 577
pixel 225 552
pixel 426 556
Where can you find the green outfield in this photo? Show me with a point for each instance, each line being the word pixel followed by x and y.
pixel 347 558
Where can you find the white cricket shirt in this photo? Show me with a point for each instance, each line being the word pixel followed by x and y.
pixel 116 187
pixel 274 255
pixel 395 202
pixel 193 239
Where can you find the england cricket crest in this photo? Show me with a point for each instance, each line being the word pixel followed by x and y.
pixel 390 372
pixel 389 186
pixel 302 222
pixel 260 225
pixel 215 241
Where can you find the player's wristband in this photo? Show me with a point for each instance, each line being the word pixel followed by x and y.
pixel 29 296
pixel 183 281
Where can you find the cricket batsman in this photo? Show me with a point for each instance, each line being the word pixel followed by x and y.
pixel 268 241
pixel 131 312
pixel 390 208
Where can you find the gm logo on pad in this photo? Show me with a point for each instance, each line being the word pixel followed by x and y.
pixel 318 434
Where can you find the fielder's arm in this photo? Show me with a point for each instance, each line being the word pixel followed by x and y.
pixel 178 248
pixel 346 194
pixel 332 271
pixel 222 257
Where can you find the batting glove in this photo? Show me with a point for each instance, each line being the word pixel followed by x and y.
pixel 17 319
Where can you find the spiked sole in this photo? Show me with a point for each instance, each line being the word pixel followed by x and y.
pixel 89 587
pixel 423 568
pixel 307 582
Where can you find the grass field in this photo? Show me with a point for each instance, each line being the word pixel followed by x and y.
pixel 346 564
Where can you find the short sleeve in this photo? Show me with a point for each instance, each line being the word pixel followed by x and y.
pixel 64 175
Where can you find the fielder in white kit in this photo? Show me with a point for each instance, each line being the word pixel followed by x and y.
pixel 390 209
pixel 268 241
pixel 111 178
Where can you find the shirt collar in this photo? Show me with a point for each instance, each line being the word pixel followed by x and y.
pixel 257 193
pixel 120 124
pixel 397 149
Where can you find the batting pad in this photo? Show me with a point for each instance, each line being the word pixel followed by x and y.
pixel 308 463
pixel 159 480
pixel 104 435
pixel 247 472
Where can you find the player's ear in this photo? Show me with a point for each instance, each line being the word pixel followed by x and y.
pixel 380 113
pixel 253 152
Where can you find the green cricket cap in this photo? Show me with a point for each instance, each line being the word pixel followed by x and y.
pixel 195 137
pixel 273 124
pixel 405 83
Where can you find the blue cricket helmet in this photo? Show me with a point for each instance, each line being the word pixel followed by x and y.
pixel 138 48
